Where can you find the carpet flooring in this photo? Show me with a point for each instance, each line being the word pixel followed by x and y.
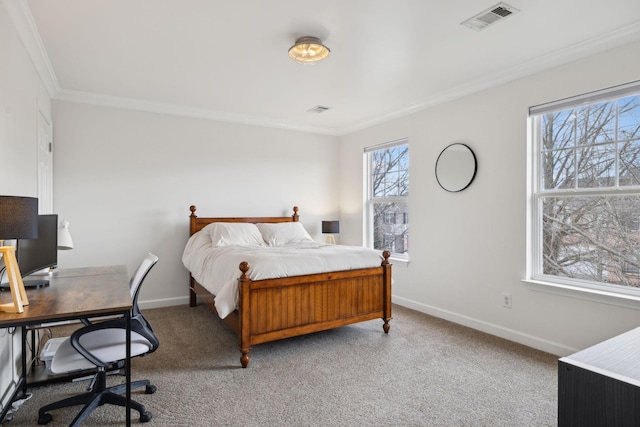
pixel 425 372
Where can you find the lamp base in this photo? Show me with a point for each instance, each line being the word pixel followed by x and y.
pixel 331 240
pixel 18 294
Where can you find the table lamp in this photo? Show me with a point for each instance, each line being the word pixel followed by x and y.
pixel 330 228
pixel 18 220
pixel 64 236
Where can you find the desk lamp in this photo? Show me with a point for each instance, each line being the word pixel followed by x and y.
pixel 64 236
pixel 330 228
pixel 18 220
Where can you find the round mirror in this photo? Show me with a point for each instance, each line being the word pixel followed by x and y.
pixel 456 167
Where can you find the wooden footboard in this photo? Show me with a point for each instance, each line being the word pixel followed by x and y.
pixel 274 309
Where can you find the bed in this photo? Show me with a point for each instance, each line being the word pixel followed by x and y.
pixel 271 309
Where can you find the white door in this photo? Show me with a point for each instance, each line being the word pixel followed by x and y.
pixel 45 164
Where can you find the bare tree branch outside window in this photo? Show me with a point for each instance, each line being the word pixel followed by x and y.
pixel 590 192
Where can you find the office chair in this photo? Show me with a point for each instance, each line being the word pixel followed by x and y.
pixel 102 345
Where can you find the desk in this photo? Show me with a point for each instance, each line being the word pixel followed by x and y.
pixel 601 385
pixel 75 294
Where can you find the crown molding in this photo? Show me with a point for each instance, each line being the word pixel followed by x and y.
pixel 592 46
pixel 180 110
pixel 20 14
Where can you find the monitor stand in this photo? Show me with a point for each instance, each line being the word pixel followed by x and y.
pixel 28 284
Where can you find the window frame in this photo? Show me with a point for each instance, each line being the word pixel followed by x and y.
pixel 600 291
pixel 369 200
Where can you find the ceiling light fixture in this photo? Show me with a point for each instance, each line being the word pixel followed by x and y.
pixel 308 50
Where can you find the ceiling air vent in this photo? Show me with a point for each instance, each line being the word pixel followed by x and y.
pixel 490 16
pixel 318 109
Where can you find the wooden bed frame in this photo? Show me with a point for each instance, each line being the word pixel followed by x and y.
pixel 274 309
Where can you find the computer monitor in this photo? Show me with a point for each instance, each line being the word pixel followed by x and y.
pixel 39 254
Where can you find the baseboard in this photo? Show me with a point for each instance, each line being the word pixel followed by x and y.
pixel 499 331
pixel 164 302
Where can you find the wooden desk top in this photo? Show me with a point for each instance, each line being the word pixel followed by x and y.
pixel 74 293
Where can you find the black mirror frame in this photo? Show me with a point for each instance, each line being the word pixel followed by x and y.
pixel 475 168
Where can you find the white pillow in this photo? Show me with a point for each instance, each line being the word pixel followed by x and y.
pixel 234 233
pixel 282 233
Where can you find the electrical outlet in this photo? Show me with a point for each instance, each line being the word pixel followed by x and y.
pixel 506 300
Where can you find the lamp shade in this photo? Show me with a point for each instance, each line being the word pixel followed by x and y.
pixel 64 236
pixel 331 227
pixel 18 217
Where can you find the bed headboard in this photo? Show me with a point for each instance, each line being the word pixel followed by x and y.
pixel 197 224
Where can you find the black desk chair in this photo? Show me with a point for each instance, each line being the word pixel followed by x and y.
pixel 102 345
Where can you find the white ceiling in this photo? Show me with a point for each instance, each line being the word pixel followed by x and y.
pixel 228 60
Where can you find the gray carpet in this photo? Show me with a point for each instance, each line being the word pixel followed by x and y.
pixel 425 372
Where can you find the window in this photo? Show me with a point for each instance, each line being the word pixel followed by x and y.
pixel 387 206
pixel 389 217
pixel 586 191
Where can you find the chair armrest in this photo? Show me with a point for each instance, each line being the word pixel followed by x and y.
pixel 75 342
pixel 138 325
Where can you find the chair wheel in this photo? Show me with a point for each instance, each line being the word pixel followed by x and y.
pixel 150 389
pixel 45 419
pixel 145 417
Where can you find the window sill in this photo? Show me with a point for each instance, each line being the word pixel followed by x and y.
pixel 399 261
pixel 594 295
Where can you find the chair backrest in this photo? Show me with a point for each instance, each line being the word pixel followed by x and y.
pixel 103 331
pixel 136 280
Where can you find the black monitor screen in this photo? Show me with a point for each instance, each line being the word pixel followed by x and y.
pixel 37 254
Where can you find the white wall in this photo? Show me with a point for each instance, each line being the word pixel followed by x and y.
pixel 125 181
pixel 467 248
pixel 21 95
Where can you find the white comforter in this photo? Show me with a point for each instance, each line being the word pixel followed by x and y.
pixel 216 268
